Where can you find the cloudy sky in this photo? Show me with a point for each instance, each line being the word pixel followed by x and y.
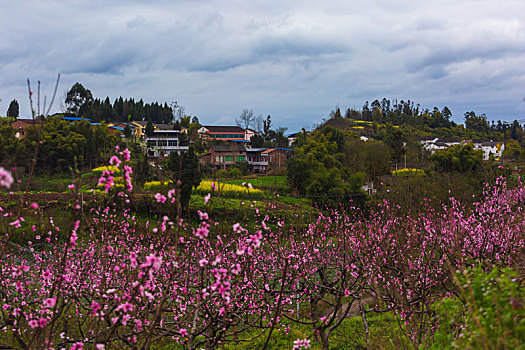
pixel 294 60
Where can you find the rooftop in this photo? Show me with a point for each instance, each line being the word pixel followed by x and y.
pixel 224 128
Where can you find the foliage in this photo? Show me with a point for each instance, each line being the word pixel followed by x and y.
pixel 512 150
pixel 476 122
pixel 64 145
pixel 78 100
pixel 234 173
pixel 185 172
pixel 14 109
pixel 143 171
pixel 149 130
pixel 316 169
pixel 100 169
pixel 408 172
pixel 229 190
pixel 330 167
pixel 458 158
pixel 489 313
pixel 8 143
pixel 112 280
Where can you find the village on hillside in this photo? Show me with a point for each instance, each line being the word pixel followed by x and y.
pixel 227 145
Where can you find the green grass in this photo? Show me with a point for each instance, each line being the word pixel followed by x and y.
pixel 55 183
pixel 269 183
pixel 384 334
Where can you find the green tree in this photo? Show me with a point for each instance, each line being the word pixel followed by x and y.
pixel 476 122
pixel 142 171
pixel 186 173
pixel 127 131
pixel 14 109
pixel 8 142
pixel 395 140
pixel 512 150
pixel 317 171
pixel 150 129
pixel 458 158
pixel 78 99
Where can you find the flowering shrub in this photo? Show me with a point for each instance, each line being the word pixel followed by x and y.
pixel 100 169
pixel 111 280
pixel 230 190
pixel 207 186
pixel 155 185
pixel 408 172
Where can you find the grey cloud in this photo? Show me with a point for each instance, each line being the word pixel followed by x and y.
pixel 294 60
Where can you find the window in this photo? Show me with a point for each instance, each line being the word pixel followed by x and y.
pixel 228 158
pixel 163 143
pixel 240 158
pixel 172 143
pixel 218 159
pixel 152 143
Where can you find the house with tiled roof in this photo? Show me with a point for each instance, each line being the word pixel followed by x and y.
pixel 222 156
pixel 222 133
pixel 20 125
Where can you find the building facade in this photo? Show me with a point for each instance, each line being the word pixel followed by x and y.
pixel 163 142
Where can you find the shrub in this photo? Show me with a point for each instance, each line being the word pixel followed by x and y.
pixel 490 313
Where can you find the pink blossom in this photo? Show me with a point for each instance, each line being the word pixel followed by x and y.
pixel 78 346
pixel 50 302
pixel 6 179
pixel 73 239
pixel 202 216
pixel 301 344
pixel 126 307
pixel 114 160
pixel 160 198
pixel 127 155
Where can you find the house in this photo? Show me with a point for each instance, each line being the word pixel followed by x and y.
pixel 20 125
pixel 489 148
pixel 248 134
pixel 433 144
pixel 276 157
pixel 222 133
pixel 222 156
pixel 292 137
pixel 256 159
pixel 163 142
pixel 140 129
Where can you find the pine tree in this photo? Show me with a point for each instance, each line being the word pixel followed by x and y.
pixel 14 109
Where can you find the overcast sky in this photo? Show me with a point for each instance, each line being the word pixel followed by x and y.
pixel 294 60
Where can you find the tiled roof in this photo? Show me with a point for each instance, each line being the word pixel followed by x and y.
pixel 225 129
pixel 235 147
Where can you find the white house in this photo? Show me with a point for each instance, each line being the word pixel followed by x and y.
pixel 248 134
pixel 163 142
pixel 489 148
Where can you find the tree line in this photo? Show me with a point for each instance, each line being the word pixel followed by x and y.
pixel 63 145
pixel 79 101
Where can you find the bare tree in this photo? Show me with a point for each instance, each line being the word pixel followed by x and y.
pixel 259 121
pixel 177 110
pixel 246 119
